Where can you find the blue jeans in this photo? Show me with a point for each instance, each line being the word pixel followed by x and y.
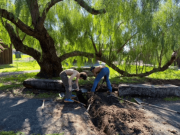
pixel 103 72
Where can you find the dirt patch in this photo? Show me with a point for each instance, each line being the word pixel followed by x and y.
pixel 112 117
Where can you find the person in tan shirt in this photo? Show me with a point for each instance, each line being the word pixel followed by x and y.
pixel 99 72
pixel 68 82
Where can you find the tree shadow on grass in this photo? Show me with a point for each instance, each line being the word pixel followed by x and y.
pixel 6 66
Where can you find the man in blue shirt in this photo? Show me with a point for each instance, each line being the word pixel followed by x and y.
pixel 99 72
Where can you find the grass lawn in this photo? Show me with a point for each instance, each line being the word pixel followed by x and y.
pixel 21 133
pixel 23 64
pixel 20 64
pixel 22 57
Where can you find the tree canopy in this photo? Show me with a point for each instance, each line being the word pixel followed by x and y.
pixel 117 32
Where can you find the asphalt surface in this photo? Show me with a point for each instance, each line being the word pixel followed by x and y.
pixel 29 117
pixel 15 113
pixel 164 122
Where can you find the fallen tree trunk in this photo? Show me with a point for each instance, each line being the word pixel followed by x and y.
pixel 46 84
pixel 149 90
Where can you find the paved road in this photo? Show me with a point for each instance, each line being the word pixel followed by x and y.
pixel 164 122
pixel 16 73
pixel 27 116
pixel 17 114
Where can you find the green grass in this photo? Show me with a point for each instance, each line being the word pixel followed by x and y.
pixel 120 100
pixel 21 133
pixel 172 99
pixel 56 134
pixel 11 133
pixel 167 74
pixel 6 87
pixel 47 95
pixel 133 100
pixel 19 66
pixel 22 57
pixel 15 81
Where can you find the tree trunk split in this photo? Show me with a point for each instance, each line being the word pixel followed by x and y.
pixel 49 69
pixel 149 90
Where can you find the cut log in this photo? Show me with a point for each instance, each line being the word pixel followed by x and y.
pixel 46 84
pixel 149 90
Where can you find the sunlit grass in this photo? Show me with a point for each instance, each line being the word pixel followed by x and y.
pixel 21 133
pixel 172 99
pixel 114 75
pixel 15 81
pixel 167 74
pixel 22 57
pixel 11 133
pixel 47 95
pixel 19 66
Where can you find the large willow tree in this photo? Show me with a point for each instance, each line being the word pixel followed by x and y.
pixel 112 31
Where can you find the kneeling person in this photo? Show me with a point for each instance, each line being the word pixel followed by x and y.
pixel 99 72
pixel 68 82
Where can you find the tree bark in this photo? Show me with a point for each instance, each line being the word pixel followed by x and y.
pixel 49 68
pixel 49 62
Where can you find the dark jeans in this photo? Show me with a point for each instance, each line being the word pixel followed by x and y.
pixel 64 79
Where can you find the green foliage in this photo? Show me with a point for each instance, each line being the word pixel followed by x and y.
pixel 56 134
pixel 19 66
pixel 14 81
pixel 11 133
pixel 21 133
pixel 129 31
pixel 172 99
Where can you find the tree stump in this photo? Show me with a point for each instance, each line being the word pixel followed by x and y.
pixel 148 90
pixel 46 84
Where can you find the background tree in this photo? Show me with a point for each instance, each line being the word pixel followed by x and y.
pixel 51 31
pixel 1 46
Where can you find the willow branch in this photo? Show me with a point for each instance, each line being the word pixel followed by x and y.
pixel 126 43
